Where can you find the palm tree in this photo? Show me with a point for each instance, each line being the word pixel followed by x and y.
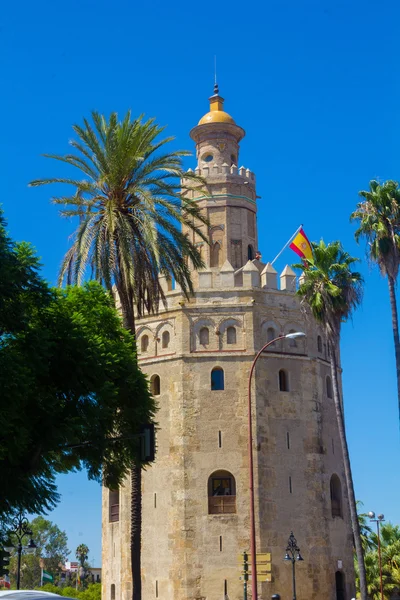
pixel 82 553
pixel 331 291
pixel 378 217
pixel 365 530
pixel 132 208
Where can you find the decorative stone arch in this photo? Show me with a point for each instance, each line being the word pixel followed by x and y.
pixel 231 333
pixel 165 337
pixel 221 491
pixel 217 379
pixel 200 324
pixel 270 330
pixel 155 384
pixel 296 344
pixel 145 348
pixel 216 244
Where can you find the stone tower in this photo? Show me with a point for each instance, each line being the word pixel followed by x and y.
pixel 197 354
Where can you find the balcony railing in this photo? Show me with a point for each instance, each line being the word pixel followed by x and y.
pixel 114 513
pixel 221 505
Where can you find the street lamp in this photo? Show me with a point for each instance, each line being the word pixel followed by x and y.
pixel 21 530
pixel 293 555
pixel 251 467
pixel 379 519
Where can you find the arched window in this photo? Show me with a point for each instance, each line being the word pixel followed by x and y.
pixel 271 335
pixel 165 339
pixel 204 336
pixel 336 496
pixel 329 387
pixel 144 343
pixel 215 254
pixel 292 341
pixel 155 385
pixel 283 381
pixel 319 344
pixel 340 586
pixel 221 493
pixel 217 379
pixel 250 252
pixel 231 335
pixel 113 501
pixel 113 591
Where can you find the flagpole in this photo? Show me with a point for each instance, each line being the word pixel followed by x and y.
pixel 287 244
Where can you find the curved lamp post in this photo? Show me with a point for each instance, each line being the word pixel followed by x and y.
pixel 253 561
pixel 21 530
pixel 293 555
pixel 379 519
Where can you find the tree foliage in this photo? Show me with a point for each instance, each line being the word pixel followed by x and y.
pixel 132 198
pixel 378 218
pixel 390 554
pixel 51 551
pixel 330 290
pixel 71 394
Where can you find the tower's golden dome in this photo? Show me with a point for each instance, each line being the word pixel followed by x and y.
pixel 216 114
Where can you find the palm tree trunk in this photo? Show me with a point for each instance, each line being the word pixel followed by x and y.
pixel 136 530
pixel 349 479
pixel 395 327
pixel 128 315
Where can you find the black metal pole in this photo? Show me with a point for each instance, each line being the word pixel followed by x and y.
pixel 294 578
pixel 19 565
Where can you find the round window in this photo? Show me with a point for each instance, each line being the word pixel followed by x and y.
pixel 208 158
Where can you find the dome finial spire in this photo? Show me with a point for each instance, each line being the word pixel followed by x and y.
pixel 216 89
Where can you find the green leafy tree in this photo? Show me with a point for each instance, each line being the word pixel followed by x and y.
pixel 378 218
pixel 331 291
pixel 51 550
pixel 71 392
pixel 136 220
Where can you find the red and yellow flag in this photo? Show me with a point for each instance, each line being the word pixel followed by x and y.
pixel 301 245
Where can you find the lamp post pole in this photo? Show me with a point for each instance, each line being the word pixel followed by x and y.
pixel 253 559
pixel 20 531
pixel 378 520
pixel 292 555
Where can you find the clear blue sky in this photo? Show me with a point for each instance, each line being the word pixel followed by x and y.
pixel 316 86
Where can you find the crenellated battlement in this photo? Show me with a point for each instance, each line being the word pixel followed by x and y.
pixel 254 274
pixel 224 173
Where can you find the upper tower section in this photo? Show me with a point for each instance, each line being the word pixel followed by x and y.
pixel 217 136
pixel 229 200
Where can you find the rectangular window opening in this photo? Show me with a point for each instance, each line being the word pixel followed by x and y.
pixel 288 440
pixel 220 543
pixel 333 446
pixel 156 588
pixel 290 485
pixel 219 439
pixel 226 587
pixel 155 500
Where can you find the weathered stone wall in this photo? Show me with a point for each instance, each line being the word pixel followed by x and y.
pixel 188 553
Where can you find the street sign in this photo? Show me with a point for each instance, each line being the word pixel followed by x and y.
pixel 261 557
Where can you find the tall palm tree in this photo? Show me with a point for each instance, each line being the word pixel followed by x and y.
pixel 378 217
pixel 331 291
pixel 131 207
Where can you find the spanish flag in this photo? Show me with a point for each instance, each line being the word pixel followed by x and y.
pixel 301 245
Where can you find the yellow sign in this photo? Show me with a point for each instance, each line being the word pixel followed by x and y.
pixel 264 568
pixel 267 577
pixel 263 557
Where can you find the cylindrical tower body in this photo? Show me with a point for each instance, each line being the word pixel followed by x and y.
pixel 198 355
